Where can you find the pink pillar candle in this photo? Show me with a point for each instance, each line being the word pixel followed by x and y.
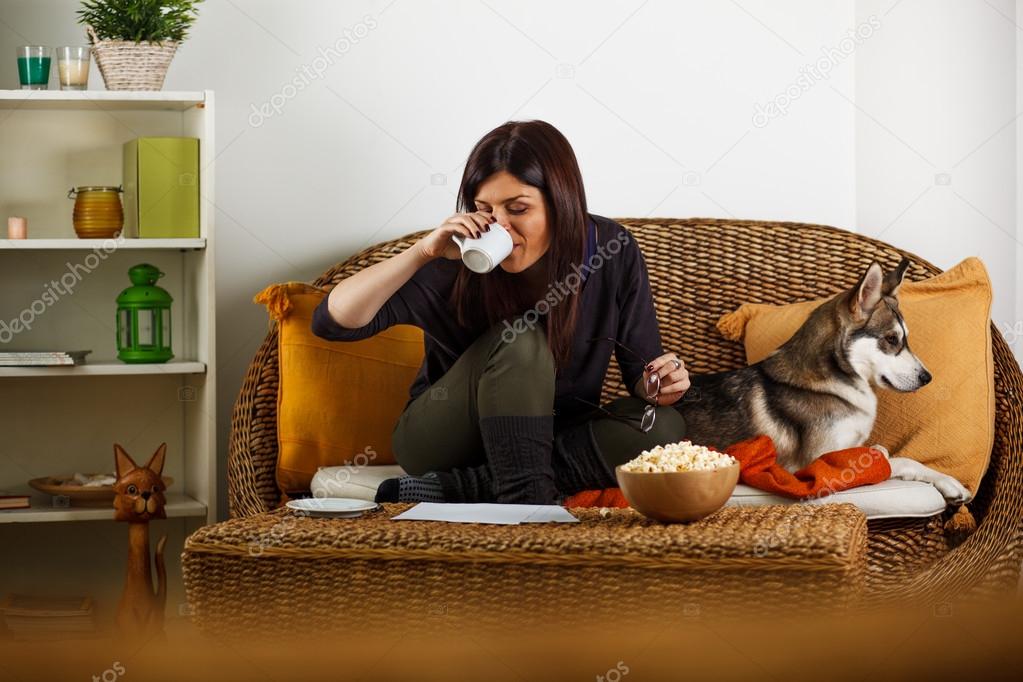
pixel 17 228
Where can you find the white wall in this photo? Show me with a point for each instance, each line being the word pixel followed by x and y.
pixel 1015 333
pixel 936 152
pixel 658 99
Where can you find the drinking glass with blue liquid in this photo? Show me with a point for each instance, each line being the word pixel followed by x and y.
pixel 34 67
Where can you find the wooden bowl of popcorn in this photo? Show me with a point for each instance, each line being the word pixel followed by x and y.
pixel 678 482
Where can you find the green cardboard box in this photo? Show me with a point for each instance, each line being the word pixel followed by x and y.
pixel 161 187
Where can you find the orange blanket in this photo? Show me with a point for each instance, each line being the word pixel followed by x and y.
pixel 829 473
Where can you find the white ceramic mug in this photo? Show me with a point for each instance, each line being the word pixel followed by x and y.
pixel 484 253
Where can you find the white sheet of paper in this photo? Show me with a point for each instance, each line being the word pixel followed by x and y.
pixel 550 513
pixel 506 514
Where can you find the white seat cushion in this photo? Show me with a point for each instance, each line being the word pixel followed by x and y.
pixel 889 499
pixel 886 500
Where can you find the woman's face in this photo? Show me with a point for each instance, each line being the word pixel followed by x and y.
pixel 521 210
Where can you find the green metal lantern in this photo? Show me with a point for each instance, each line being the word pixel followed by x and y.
pixel 143 318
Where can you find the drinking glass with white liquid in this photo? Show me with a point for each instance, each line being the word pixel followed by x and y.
pixel 73 66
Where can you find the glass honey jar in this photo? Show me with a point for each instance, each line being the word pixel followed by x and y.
pixel 98 213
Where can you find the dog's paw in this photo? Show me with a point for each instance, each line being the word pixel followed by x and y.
pixel 906 469
pixel 952 490
pixel 882 449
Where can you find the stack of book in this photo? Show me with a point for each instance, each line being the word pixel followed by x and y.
pixel 29 617
pixel 13 501
pixel 42 358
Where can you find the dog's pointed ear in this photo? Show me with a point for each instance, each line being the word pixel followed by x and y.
pixel 893 279
pixel 155 463
pixel 123 463
pixel 867 293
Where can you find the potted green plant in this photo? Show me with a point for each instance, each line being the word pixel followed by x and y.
pixel 133 41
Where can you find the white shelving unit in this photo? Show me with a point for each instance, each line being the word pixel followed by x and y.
pixel 106 368
pixel 43 510
pixel 59 420
pixel 91 244
pixel 103 100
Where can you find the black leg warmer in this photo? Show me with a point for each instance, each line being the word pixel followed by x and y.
pixel 518 452
pixel 577 462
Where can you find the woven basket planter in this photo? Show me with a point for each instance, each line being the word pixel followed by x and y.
pixel 127 65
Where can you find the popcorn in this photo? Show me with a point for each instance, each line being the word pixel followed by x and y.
pixel 680 456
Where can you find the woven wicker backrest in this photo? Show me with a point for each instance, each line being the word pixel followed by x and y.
pixel 699 269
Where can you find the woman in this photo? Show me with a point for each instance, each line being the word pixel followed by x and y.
pixel 506 404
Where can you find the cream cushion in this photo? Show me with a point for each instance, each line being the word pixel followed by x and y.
pixel 885 500
pixel 889 499
pixel 352 481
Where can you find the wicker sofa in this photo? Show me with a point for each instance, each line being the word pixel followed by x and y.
pixel 768 262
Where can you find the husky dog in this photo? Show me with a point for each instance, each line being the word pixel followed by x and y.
pixel 813 395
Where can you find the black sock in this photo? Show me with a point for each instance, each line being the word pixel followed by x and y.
pixel 425 488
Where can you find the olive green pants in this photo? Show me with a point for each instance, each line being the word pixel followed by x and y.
pixel 505 374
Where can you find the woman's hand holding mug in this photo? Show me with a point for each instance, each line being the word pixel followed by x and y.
pixel 438 244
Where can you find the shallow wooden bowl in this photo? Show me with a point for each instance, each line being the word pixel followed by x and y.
pixel 678 496
pixel 80 495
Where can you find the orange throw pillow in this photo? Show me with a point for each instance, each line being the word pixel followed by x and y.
pixel 337 403
pixel 947 425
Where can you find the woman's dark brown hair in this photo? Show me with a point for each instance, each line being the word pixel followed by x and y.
pixel 540 156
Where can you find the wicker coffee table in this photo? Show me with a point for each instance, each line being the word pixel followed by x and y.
pixel 282 569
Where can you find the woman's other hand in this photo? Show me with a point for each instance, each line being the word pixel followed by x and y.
pixel 674 378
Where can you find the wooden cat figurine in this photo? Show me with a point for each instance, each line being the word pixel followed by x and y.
pixel 139 498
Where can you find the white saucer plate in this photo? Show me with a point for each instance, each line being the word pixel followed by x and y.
pixel 338 507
